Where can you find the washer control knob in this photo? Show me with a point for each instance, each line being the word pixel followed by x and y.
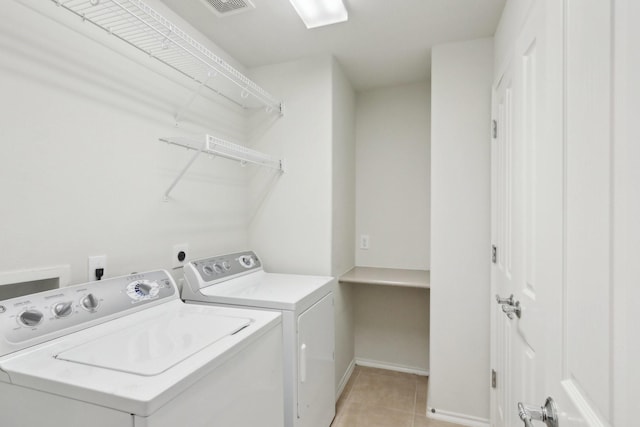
pixel 30 317
pixel 62 309
pixel 226 265
pixel 217 268
pixel 143 289
pixel 89 302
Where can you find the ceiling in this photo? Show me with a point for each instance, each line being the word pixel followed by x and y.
pixel 384 42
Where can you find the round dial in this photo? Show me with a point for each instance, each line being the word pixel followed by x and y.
pixel 63 309
pixel 226 265
pixel 89 302
pixel 217 268
pixel 30 317
pixel 143 289
pixel 208 269
pixel 246 261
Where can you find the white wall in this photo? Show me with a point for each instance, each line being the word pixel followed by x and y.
pixel 302 222
pixel 460 229
pixel 343 220
pixel 291 217
pixel 392 327
pixel 82 171
pixel 392 176
pixel 343 168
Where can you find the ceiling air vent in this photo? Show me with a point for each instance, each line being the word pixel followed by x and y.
pixel 229 7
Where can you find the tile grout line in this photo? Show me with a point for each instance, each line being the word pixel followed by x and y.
pixel 352 392
pixel 347 396
pixel 415 401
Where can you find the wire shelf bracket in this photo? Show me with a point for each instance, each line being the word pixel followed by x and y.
pixel 221 148
pixel 140 26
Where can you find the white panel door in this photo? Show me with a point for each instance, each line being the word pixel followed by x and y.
pixel 501 275
pixel 567 250
pixel 518 334
pixel 316 391
pixel 578 305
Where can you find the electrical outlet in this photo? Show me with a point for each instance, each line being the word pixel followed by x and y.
pixel 179 255
pixel 364 241
pixel 95 262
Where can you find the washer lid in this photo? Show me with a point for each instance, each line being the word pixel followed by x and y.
pixel 269 290
pixel 155 345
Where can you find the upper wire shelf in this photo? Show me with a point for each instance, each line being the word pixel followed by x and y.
pixel 142 27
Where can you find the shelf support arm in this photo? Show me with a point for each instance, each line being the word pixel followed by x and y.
pixel 181 174
pixel 195 93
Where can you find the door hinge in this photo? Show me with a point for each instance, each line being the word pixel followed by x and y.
pixel 494 254
pixel 494 378
pixel 494 128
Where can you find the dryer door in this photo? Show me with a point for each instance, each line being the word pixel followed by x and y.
pixel 316 389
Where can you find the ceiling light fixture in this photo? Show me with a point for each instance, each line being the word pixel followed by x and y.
pixel 316 13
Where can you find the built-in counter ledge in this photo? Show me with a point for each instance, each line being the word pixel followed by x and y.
pixel 387 276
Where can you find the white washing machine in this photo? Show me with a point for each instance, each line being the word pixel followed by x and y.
pixel 127 352
pixel 306 304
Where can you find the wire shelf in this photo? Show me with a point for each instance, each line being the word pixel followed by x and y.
pixel 229 150
pixel 219 147
pixel 137 24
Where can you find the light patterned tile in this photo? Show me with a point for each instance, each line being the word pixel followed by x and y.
pixel 388 372
pixel 384 391
pixel 342 401
pixel 422 421
pixel 347 390
pixel 361 415
pixel 351 381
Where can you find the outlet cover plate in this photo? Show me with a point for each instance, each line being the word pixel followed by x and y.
pixel 97 261
pixel 175 261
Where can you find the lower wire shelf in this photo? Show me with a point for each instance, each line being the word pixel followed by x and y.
pixel 219 147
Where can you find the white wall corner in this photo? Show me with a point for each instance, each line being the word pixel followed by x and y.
pixel 345 379
pixel 391 366
pixel 462 74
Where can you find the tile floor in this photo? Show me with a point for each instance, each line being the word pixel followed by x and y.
pixel 380 398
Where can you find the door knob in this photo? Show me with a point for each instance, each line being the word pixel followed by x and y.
pixel 511 310
pixel 508 301
pixel 548 413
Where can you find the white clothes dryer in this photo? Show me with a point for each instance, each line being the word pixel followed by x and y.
pixel 127 352
pixel 307 307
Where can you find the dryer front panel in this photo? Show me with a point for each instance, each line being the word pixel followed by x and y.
pixel 316 364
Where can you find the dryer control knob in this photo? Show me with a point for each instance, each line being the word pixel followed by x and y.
pixel 226 265
pixel 217 268
pixel 30 317
pixel 246 261
pixel 208 269
pixel 62 309
pixel 89 302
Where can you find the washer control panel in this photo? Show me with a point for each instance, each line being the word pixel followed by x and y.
pixel 32 316
pixel 223 267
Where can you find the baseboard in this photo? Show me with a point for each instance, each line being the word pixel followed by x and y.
pixel 391 366
pixel 452 417
pixel 345 379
